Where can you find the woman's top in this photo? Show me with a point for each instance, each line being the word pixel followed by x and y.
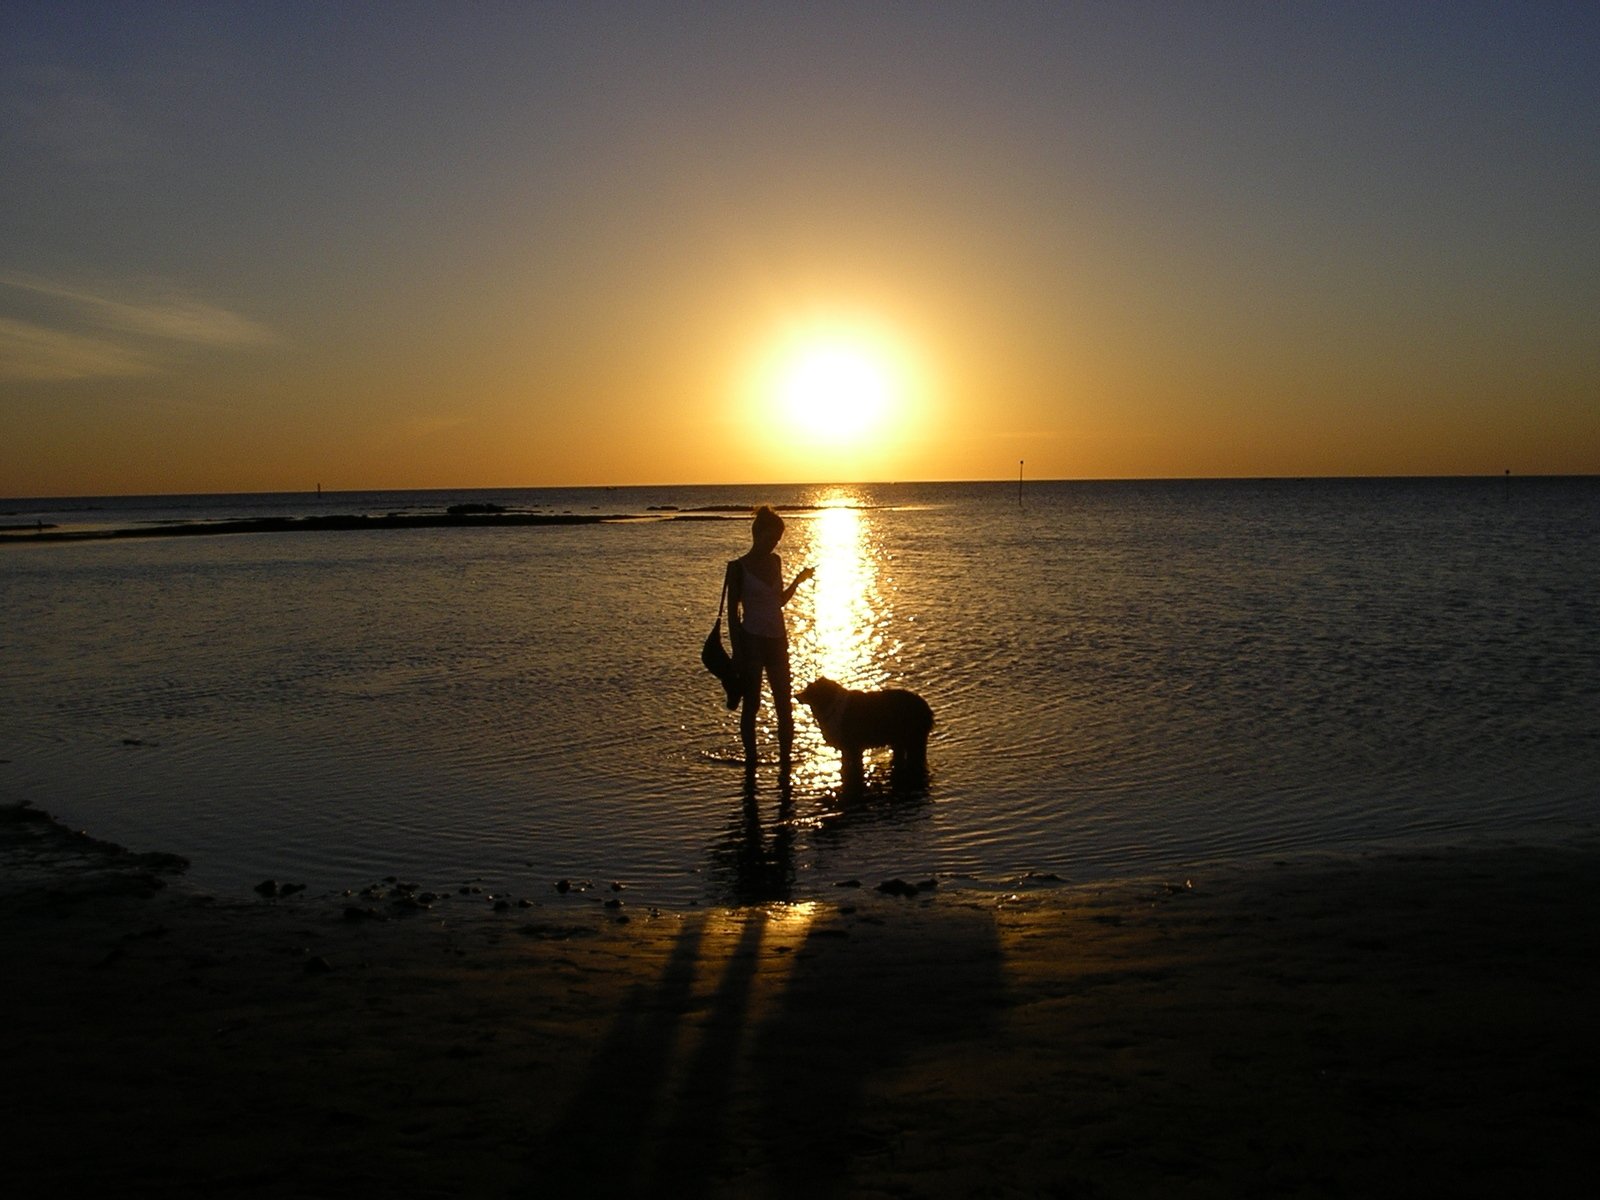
pixel 763 607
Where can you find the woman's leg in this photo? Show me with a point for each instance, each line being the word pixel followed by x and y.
pixel 750 671
pixel 778 679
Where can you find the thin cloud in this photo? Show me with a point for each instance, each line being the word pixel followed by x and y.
pixel 38 354
pixel 172 318
pixel 71 333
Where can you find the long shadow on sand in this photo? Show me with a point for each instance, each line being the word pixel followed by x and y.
pixel 859 1006
pixel 750 1064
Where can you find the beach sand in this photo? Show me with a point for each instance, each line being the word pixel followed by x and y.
pixel 1395 1025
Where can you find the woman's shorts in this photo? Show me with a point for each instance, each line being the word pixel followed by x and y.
pixel 757 654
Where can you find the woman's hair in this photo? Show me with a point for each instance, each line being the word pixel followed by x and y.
pixel 766 521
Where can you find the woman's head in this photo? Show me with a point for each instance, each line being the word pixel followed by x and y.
pixel 767 526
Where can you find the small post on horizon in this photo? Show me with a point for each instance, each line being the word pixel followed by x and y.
pixel 1508 485
pixel 1019 483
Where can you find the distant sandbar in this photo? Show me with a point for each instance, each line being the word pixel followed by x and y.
pixel 310 525
pixel 468 516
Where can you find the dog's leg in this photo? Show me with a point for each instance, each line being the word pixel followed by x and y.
pixel 909 769
pixel 850 772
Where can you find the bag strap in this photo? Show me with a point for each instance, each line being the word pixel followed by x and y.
pixel 724 599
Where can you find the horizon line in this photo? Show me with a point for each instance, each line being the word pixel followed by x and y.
pixel 317 489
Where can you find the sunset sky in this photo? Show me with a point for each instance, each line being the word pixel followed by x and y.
pixel 261 246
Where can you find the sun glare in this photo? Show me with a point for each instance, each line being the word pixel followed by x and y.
pixel 835 386
pixel 834 391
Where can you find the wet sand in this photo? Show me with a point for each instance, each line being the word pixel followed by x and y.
pixel 1397 1025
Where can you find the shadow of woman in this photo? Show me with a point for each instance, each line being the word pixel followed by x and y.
pixel 651 1116
pixel 603 1138
pixel 864 999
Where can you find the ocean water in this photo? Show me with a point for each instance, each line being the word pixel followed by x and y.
pixel 1128 678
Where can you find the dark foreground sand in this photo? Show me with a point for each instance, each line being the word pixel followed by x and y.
pixel 1419 1025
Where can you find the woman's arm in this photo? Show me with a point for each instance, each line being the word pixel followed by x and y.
pixel 805 574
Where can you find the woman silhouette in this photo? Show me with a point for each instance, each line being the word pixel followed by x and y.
pixel 756 596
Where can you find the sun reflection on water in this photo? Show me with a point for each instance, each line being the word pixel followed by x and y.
pixel 849 609
pixel 841 632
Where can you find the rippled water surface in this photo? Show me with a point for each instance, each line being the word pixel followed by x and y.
pixel 1127 678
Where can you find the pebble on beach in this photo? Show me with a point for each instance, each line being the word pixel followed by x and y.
pixel 899 887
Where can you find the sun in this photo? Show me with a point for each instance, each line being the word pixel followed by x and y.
pixel 835 386
pixel 836 394
pixel 834 391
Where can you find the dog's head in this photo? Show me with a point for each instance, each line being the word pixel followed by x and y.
pixel 820 690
